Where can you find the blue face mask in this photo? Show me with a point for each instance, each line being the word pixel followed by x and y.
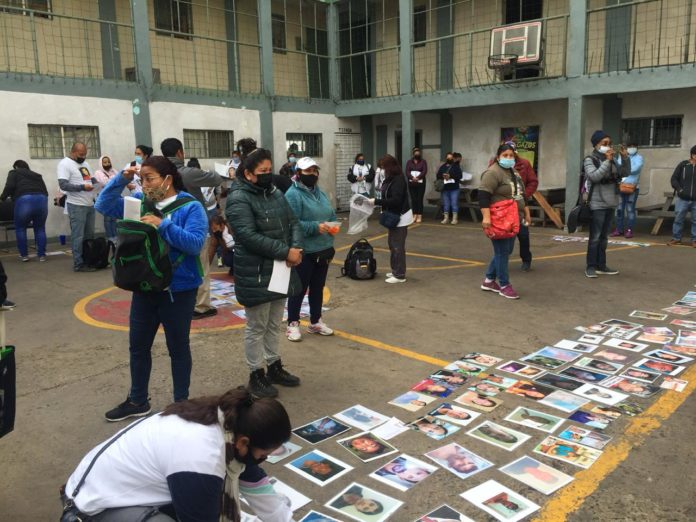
pixel 138 159
pixel 292 159
pixel 506 163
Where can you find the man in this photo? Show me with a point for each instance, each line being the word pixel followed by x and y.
pixel 288 169
pixel 684 184
pixel 531 182
pixel 76 181
pixel 194 179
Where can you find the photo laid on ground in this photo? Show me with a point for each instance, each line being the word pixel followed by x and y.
pixel 284 451
pixel 666 356
pixel 537 475
pixel 601 394
pixel 664 368
pixel 297 499
pixel 364 504
pixel 640 375
pixel 621 333
pixel 466 368
pixel 592 419
pixel 433 388
pixel 452 378
pixel 433 427
pixel 534 419
pixel 682 350
pixel 367 447
pixel 674 384
pixel 619 323
pixel 612 356
pixel 558 381
pixel 633 387
pixel 593 329
pixel 498 380
pixel 454 414
pixel 641 314
pixel 585 437
pixel 480 359
pixel 320 430
pixel 597 364
pixel 390 429
pixel 564 401
pixel 478 401
pixel 691 325
pixel 316 516
pixel 458 460
pixel 591 339
pixel 530 390
pixel 679 310
pixel 361 417
pixel 655 338
pixel 500 502
pixel 521 369
pixel 444 514
pixel 542 361
pixel 412 401
pixel 583 374
pixel 318 467
pixel 498 435
pixel 403 472
pixel 486 388
pixel 577 346
pixel 566 451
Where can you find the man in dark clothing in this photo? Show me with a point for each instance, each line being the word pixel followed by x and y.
pixel 524 168
pixel 684 184
pixel 288 169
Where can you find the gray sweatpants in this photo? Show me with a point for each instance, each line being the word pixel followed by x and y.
pixel 262 333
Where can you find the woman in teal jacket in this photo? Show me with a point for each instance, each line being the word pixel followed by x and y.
pixel 314 210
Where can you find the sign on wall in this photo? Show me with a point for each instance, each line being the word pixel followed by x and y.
pixel 526 140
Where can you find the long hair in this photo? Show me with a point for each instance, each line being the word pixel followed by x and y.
pixel 164 168
pixel 253 159
pixel 391 166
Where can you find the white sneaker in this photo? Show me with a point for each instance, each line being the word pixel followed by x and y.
pixel 220 265
pixel 293 332
pixel 389 274
pixel 394 280
pixel 320 328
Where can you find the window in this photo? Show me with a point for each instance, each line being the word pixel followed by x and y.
pixel 522 10
pixel 279 43
pixel 208 143
pixel 34 5
pixel 304 144
pixel 420 24
pixel 175 16
pixel 55 141
pixel 662 131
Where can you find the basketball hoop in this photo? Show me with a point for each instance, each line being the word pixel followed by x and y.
pixel 502 62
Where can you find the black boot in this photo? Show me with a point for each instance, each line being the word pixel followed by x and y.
pixel 259 385
pixel 278 375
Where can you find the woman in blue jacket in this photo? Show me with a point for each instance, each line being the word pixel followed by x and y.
pixel 184 230
pixel 315 212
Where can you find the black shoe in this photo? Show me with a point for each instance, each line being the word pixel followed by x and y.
pixel 607 271
pixel 85 268
pixel 7 305
pixel 127 409
pixel 259 386
pixel 278 375
pixel 210 312
pixel 526 266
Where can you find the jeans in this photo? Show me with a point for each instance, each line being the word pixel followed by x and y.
pixel 627 204
pixel 681 208
pixel 31 208
pixel 81 228
pixel 397 248
pixel 498 267
pixel 599 238
pixel 523 236
pixel 450 201
pixel 262 333
pixel 417 191
pixel 173 311
pixel 110 228
pixel 312 272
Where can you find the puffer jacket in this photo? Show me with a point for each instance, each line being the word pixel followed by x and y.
pixel 265 228
pixel 604 175
pixel 312 208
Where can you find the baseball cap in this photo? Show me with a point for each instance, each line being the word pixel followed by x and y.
pixel 306 163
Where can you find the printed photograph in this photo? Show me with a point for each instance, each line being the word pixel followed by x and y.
pixel 537 475
pixel 444 514
pixel 454 414
pixel 534 419
pixel 583 374
pixel 530 390
pixel 433 388
pixel 403 472
pixel 318 467
pixel 686 338
pixel 655 338
pixel 557 353
pixel 364 504
pixel 458 460
pixel 578 346
pixel 500 502
pixel 621 333
pixel 559 381
pixel 569 452
pixel 667 356
pixel 486 388
pixel 594 420
pixel 625 345
pixel 564 401
pixel 412 401
pixel 499 380
pixel 367 447
pixel 521 369
pixel 361 417
pixel 433 427
pixel 611 356
pixel 451 377
pixel 481 358
pixel 618 323
pixel 316 516
pixel 684 350
pixel 498 435
pixel 466 368
pixel 691 325
pixel 630 408
pixel 664 368
pixel 640 375
pixel 641 314
pixel 608 411
pixel 320 430
pixel 679 310
pixel 596 364
pixel 593 329
pixel 283 452
pixel 478 401
pixel 585 437
pixel 674 384
pixel 637 388
pixel 658 330
pixel 591 339
pixel 543 361
pixel 601 394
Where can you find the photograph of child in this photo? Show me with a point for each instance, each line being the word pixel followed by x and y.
pixel 444 514
pixel 318 467
pixel 583 374
pixel 596 364
pixel 585 437
pixel 534 419
pixel 362 418
pixel 320 430
pixel 363 504
pixel 315 516
pixel 601 394
pixel 403 472
pixel 565 451
pixel 529 390
pixel 564 401
pixel 558 381
pixel 433 388
pixel 500 502
pixel 637 388
pixel 537 475
pixel 659 367
pixel 640 375
pixel 434 428
pixel 576 346
pixel 486 388
pixel 480 358
pixel 594 420
pixel 498 435
pixel 454 414
pixel 284 451
pixel 478 401
pixel 664 355
pixel 367 447
pixel 458 460
pixel 453 378
pixel 610 356
pixel 412 401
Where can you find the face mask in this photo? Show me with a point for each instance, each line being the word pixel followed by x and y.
pixel 308 180
pixel 416 156
pixel 264 180
pixel 138 159
pixel 603 149
pixel 247 459
pixel 360 162
pixel 632 150
pixel 506 163
pixel 107 166
pixel 449 161
pixel 235 161
pixel 156 194
pixel 292 159
pixel 80 160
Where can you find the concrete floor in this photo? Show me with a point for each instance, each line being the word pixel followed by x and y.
pixel 70 373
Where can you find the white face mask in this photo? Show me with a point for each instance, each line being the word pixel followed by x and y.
pixel 632 150
pixel 603 149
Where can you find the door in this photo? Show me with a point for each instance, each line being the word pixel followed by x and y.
pixel 347 147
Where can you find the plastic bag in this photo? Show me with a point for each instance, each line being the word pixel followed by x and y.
pixel 361 209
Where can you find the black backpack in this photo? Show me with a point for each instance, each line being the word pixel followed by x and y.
pixel 141 262
pixel 96 252
pixel 360 262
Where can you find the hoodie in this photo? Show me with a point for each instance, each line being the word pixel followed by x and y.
pixel 684 181
pixel 312 207
pixel 195 178
pixel 103 176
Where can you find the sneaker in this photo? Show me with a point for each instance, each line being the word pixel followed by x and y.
pixel 293 332
pixel 616 233
pixel 126 410
pixel 674 242
pixel 389 274
pixel 491 286
pixel 259 385
pixel 320 328
pixel 526 266
pixel 393 280
pixel 210 312
pixel 43 259
pixel 605 270
pixel 7 305
pixel 455 219
pixel 508 292
pixel 590 272
pixel 445 219
pixel 278 375
pixel 25 259
pixel 85 268
pixel 220 264
pixel 629 233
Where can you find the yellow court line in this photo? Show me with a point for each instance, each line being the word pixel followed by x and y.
pixel 584 252
pixel 439 258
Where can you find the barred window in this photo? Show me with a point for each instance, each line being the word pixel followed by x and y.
pixel 661 131
pixel 279 39
pixel 175 16
pixel 304 144
pixel 55 141
pixel 420 24
pixel 43 6
pixel 208 143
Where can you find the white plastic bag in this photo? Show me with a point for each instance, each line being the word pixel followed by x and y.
pixel 361 209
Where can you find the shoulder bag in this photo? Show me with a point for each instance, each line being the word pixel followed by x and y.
pixel 388 218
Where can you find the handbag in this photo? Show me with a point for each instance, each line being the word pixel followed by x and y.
pixel 505 220
pixel 581 214
pixel 627 188
pixel 440 183
pixel 389 219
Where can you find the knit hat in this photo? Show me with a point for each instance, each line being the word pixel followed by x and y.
pixel 598 136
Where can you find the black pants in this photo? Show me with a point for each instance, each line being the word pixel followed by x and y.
pixel 523 236
pixel 397 247
pixel 417 191
pixel 312 271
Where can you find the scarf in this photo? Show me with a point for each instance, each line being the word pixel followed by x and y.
pixel 230 498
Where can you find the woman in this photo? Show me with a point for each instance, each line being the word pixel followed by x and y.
pixel 361 176
pixel 265 230
pixel 379 181
pixel 627 202
pixel 315 212
pixel 30 197
pixel 500 183
pixel 395 198
pixel 104 175
pixel 143 471
pixel 184 230
pixel 222 243
pixel 416 171
pixel 451 174
pixel 142 153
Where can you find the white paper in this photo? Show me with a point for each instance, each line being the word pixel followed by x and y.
pixel 415 173
pixel 390 429
pixel 447 181
pixel 222 169
pixel 131 208
pixel 280 278
pixel 297 499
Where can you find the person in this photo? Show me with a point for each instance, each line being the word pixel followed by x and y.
pixel 209 196
pixel 379 181
pixel 103 174
pixel 184 231
pixel 142 152
pixel 354 497
pixel 500 182
pixel 290 167
pixel 76 180
pixel 416 172
pixel 233 163
pixel 627 202
pixel 29 195
pixel 315 213
pixel 361 176
pixel 395 198
pixel 602 174
pixel 261 240
pixel 529 177
pixel 684 184
pixel 196 460
pixel 321 469
pixel 431 429
pixel 367 446
pixel 451 174
pixel 221 240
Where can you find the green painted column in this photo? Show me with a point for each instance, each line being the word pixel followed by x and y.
pixel 332 36
pixel 575 147
pixel 143 60
pixel 446 133
pixel 266 125
pixel 231 36
pixel 612 112
pixel 406 53
pixel 577 28
pixel 266 41
pixel 367 138
pixel 407 134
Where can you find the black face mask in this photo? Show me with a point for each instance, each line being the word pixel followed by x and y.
pixel 308 180
pixel 449 161
pixel 416 156
pixel 264 180
pixel 248 459
pixel 80 160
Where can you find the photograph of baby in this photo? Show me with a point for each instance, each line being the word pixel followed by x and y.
pixel 364 504
pixel 583 374
pixel 577 346
pixel 458 460
pixel 481 358
pixel 318 467
pixel 451 377
pixel 316 516
pixel 500 502
pixel 564 401
pixel 642 314
pixel 625 345
pixel 594 420
pixel 454 414
pixel 466 368
pixel 444 514
pixel 498 435
pixel 530 390
pixel 284 451
pixel 558 381
pixel 534 474
pixel 367 447
pixel 362 418
pixel 433 427
pixel 664 355
pixel 412 401
pixel 611 356
pixel 433 388
pixel 585 437
pixel 601 394
pixel 478 401
pixel 534 419
pixel 320 430
pixel 658 366
pixel 403 472
pixel 566 451
pixel 637 388
pixel 640 375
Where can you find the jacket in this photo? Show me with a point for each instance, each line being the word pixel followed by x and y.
pixel 412 166
pixel 287 170
pixel 184 230
pixel 395 197
pixel 637 162
pixel 524 168
pixel 499 184
pixel 21 182
pixel 605 180
pixel 311 207
pixel 364 186
pixel 684 181
pixel 265 228
pixel 455 173
pixel 195 178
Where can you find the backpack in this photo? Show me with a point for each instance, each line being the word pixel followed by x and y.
pixel 360 262
pixel 96 252
pixel 141 262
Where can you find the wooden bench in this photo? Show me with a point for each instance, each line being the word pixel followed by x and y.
pixel 660 213
pixel 466 201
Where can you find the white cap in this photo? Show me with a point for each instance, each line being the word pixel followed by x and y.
pixel 306 163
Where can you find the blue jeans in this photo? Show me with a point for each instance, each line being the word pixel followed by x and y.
pixel 174 312
pixel 498 267
pixel 627 204
pixel 31 209
pixel 523 236
pixel 681 208
pixel 599 238
pixel 450 201
pixel 81 228
pixel 110 227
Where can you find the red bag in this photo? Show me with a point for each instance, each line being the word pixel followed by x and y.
pixel 505 220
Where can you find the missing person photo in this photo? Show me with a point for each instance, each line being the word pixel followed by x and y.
pixel 367 447
pixel 600 394
pixel 478 401
pixel 454 414
pixel 412 401
pixel 534 419
pixel 498 435
pixel 282 452
pixel 320 430
pixel 433 427
pixel 444 513
pixel 559 381
pixel 458 460
pixel 481 358
pixel 433 388
pixel 403 472
pixel 537 475
pixel 364 504
pixel 500 502
pixel 361 417
pixel 318 467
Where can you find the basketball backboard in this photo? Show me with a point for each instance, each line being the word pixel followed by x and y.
pixel 522 39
